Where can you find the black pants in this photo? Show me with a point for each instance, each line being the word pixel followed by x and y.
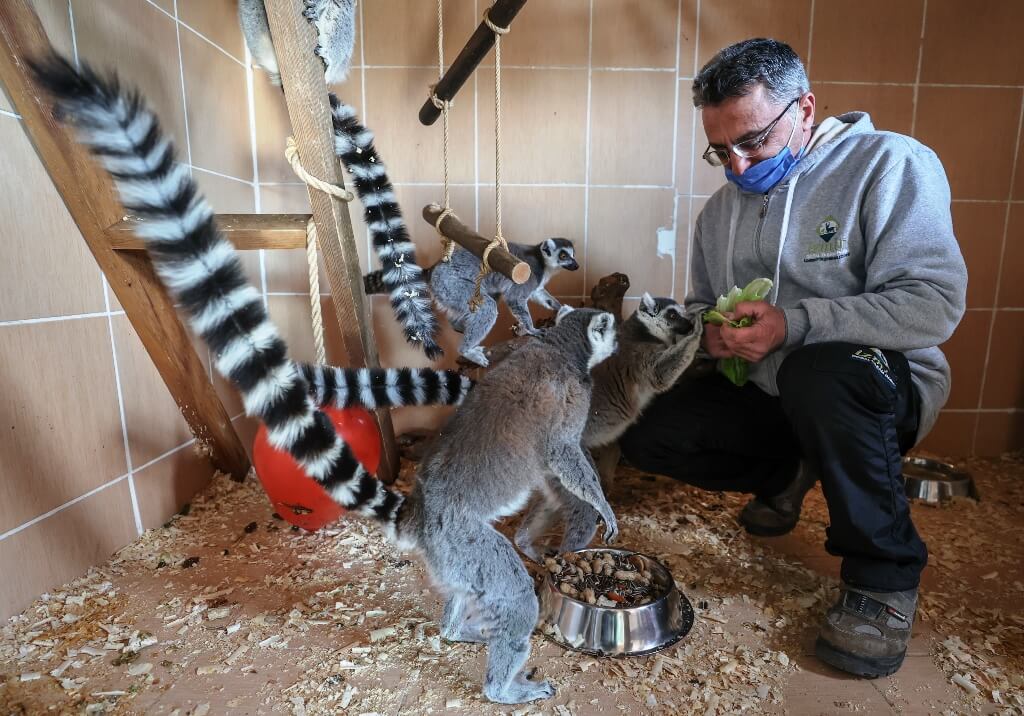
pixel 847 413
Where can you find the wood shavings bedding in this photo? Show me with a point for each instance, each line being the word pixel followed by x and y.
pixel 273 620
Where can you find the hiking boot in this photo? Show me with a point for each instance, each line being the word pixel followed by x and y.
pixel 776 515
pixel 866 633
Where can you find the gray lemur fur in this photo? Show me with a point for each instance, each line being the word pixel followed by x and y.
pixel 517 432
pixel 452 285
pixel 335 28
pixel 656 345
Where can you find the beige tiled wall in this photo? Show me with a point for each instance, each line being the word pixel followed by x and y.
pixel 601 145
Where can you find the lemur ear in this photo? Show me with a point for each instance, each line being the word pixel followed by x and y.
pixel 562 312
pixel 547 247
pixel 647 302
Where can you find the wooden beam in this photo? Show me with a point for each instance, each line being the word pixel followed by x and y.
pixel 92 202
pixel 480 43
pixel 305 91
pixel 246 231
pixel 499 259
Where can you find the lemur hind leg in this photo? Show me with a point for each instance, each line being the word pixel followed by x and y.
pixel 476 325
pixel 458 622
pixel 481 561
pixel 535 525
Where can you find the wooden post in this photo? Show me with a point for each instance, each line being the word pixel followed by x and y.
pixel 480 43
pixel 305 91
pixel 92 202
pixel 499 259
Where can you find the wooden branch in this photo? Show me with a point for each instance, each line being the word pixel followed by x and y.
pixel 480 43
pixel 246 231
pixel 305 91
pixel 92 202
pixel 499 259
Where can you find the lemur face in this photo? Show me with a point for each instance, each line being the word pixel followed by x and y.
pixel 559 254
pixel 664 318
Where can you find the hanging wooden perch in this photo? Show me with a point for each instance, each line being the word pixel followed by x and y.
pixel 499 259
pixel 480 43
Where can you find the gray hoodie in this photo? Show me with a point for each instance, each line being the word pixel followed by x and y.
pixel 859 241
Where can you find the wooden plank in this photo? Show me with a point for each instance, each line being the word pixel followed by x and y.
pixel 480 43
pixel 305 91
pixel 91 200
pixel 499 259
pixel 246 231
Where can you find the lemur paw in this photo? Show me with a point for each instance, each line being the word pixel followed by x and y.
pixel 611 530
pixel 477 356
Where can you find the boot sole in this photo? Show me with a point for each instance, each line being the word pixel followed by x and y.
pixel 762 531
pixel 868 667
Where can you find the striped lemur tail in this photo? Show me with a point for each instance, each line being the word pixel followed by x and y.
pixel 201 270
pixel 400 276
pixel 374 283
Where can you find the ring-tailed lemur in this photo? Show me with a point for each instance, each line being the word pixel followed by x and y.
pixel 504 443
pixel 657 343
pixel 201 269
pixel 353 143
pixel 335 29
pixel 452 284
pixel 517 432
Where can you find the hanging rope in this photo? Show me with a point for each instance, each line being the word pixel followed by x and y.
pixel 499 238
pixel 314 294
pixel 291 153
pixel 444 106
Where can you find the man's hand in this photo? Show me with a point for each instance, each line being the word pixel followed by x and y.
pixel 754 342
pixel 713 343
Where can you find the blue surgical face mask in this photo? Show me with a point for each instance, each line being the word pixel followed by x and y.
pixel 761 177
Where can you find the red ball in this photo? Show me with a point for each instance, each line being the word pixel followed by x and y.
pixel 295 495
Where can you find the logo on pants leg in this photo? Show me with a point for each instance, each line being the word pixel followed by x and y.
pixel 875 357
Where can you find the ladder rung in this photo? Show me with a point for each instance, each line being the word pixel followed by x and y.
pixel 245 231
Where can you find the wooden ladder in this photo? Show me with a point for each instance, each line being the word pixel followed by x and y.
pixel 92 201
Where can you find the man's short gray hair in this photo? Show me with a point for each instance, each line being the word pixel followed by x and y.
pixel 737 69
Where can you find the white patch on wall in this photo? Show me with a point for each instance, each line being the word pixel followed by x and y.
pixel 667 243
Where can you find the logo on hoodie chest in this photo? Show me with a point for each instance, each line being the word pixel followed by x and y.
pixel 829 244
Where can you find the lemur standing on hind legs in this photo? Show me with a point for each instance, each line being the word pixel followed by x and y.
pixel 502 445
pixel 452 284
pixel 657 343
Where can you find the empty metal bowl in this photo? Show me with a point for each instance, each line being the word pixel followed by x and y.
pixel 933 482
pixel 608 631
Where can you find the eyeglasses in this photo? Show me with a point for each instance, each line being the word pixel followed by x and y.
pixel 748 148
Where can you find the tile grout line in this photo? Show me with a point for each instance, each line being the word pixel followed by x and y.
pixel 250 88
pixel 586 149
pixel 74 37
pixel 136 512
pixel 57 319
pixel 476 136
pixel 999 276
pixel 215 173
pixel 920 61
pixel 979 411
pixel 810 40
pixel 60 508
pixel 675 151
pixel 691 220
pixel 181 72
pixel 126 476
pixel 201 36
pixel 133 496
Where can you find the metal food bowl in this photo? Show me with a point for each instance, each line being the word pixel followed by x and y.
pixel 933 482
pixel 610 631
